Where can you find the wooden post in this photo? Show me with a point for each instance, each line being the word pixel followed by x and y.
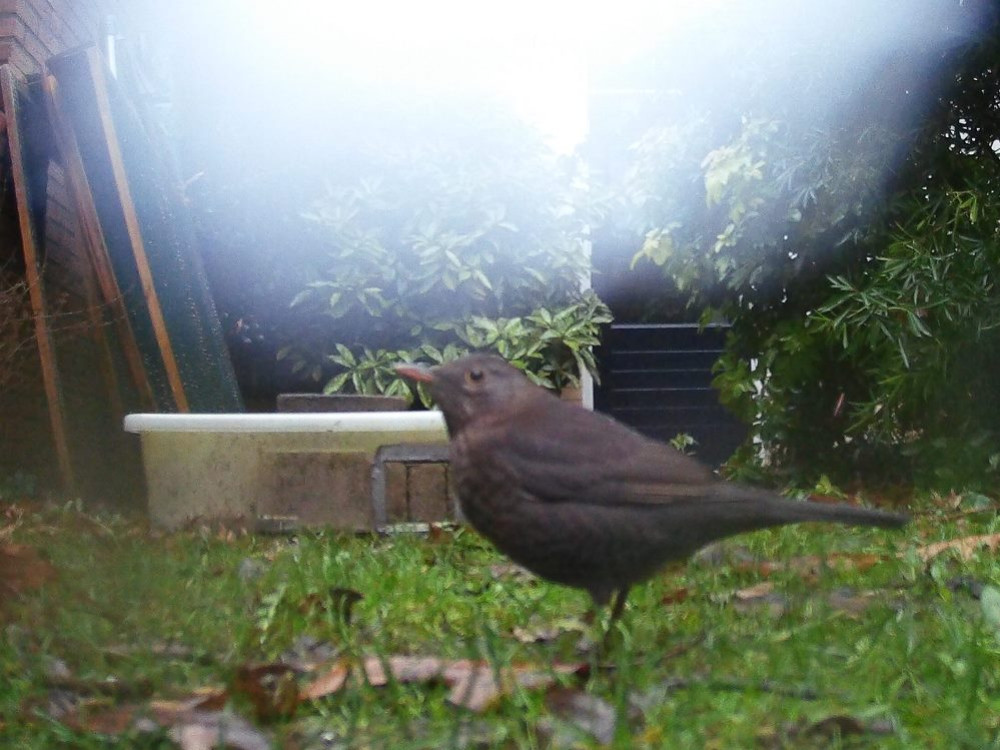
pixel 135 235
pixel 90 227
pixel 9 86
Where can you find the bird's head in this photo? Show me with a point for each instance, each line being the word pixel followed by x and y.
pixel 471 387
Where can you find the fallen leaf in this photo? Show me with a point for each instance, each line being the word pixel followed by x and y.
pixel 375 671
pixel 755 592
pixel 328 683
pixel 725 552
pixel 810 566
pixel 405 669
pixel 966 546
pixel 479 690
pixel 474 687
pixel 843 599
pixel 472 684
pixel 109 687
pixel 824 731
pixel 270 688
pixel 538 631
pixel 194 723
pixel 511 571
pixel 843 726
pixel 334 599
pixel 22 569
pixel 97 718
pixel 308 654
pixel 586 713
pixel 676 596
pixel 202 699
pixel 438 533
pixel 760 595
pixel 855 602
pixel 211 730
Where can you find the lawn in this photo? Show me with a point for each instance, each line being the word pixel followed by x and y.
pixel 820 636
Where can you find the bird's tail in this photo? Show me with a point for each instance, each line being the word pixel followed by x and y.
pixel 774 510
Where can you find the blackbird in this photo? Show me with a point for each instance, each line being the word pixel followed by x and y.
pixel 579 498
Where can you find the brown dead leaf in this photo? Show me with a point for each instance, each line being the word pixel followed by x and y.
pixel 375 671
pixel 586 713
pixel 208 731
pixel 110 687
pixel 98 718
pixel 202 699
pixel 96 715
pixel 334 599
pixel 810 566
pixel 22 569
pixel 755 592
pixel 476 687
pixel 853 602
pixel 511 571
pixel 441 534
pixel 966 546
pixel 846 600
pixel 823 732
pixel 271 688
pixel 538 630
pixel 676 596
pixel 473 684
pixel 190 724
pixel 760 595
pixel 328 683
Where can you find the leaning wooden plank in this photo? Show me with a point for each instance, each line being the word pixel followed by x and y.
pixel 149 235
pixel 12 95
pixel 127 205
pixel 90 227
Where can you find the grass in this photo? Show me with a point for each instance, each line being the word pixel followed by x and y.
pixel 912 665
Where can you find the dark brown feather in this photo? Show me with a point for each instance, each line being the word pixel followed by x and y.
pixel 582 499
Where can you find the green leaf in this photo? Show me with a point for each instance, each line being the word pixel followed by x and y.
pixel 346 356
pixel 337 383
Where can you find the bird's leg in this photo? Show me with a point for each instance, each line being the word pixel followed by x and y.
pixel 616 612
pixel 619 606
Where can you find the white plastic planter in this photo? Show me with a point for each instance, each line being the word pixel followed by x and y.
pixel 314 466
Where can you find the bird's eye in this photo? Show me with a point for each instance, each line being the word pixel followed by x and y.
pixel 474 376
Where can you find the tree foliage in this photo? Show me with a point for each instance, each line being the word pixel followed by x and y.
pixel 856 255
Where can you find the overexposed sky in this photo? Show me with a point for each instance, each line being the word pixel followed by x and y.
pixel 535 54
pixel 538 54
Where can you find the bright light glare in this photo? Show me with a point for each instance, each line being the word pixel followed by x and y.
pixel 536 55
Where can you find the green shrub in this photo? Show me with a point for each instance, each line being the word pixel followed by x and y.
pixel 436 249
pixel 854 253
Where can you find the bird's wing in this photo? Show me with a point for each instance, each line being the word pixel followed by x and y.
pixel 560 452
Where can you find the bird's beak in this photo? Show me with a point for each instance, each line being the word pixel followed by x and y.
pixel 419 373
